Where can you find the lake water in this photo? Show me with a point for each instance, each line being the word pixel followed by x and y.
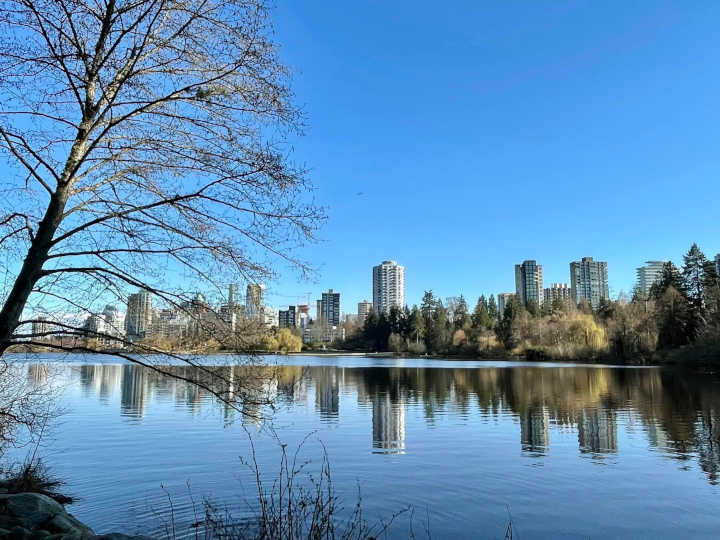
pixel 571 451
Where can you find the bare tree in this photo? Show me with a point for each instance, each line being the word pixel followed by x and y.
pixel 147 149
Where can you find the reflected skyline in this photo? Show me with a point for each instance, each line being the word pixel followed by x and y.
pixel 678 412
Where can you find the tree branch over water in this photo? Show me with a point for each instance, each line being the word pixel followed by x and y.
pixel 147 144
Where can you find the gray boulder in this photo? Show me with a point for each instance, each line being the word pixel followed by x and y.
pixel 65 523
pixel 16 533
pixel 33 509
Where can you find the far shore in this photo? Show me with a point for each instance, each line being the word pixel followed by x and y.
pixel 688 356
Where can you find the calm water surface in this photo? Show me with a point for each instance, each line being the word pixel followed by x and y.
pixel 573 451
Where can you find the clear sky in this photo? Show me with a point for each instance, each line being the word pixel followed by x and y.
pixel 483 133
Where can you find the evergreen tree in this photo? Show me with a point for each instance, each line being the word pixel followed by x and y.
pixel 428 305
pixel 405 329
pixel 481 319
pixel 461 318
pixel 674 319
pixel 395 319
pixel 697 277
pixel 669 277
pixel 416 325
pixel 532 308
pixel 493 309
pixel 383 332
pixel 369 331
pixel 606 309
pixel 440 336
pixel 557 306
pixel 505 329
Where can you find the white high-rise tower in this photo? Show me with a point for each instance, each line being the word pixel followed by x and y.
pixel 388 286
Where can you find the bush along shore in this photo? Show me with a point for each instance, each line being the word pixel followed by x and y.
pixel 34 516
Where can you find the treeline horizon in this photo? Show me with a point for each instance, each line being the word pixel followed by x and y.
pixel 681 309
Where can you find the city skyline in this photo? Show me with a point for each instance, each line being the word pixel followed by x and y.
pixel 572 107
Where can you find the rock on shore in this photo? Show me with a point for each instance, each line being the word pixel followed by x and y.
pixel 31 516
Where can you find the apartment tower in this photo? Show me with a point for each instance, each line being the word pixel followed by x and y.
pixel 649 274
pixel 589 280
pixel 529 282
pixel 388 286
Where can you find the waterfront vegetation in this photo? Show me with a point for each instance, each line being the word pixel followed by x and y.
pixel 677 321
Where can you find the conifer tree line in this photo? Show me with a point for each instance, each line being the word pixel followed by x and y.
pixel 681 311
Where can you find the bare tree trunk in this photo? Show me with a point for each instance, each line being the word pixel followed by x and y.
pixel 31 270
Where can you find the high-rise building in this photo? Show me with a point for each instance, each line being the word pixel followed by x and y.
pixel 529 282
pixel 649 274
pixel 114 321
pixel 287 317
pixel 302 317
pixel 589 280
pixel 330 308
pixel 364 309
pixel 233 294
pixel 388 286
pixel 139 315
pixel 254 301
pixel 503 299
pixel 557 291
pixel 41 328
pixel 717 263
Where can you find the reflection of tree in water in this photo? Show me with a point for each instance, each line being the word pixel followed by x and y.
pixel 679 410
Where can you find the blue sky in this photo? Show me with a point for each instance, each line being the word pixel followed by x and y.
pixel 483 133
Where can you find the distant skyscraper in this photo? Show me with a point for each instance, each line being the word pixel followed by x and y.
pixel 42 326
pixel 717 263
pixel 364 308
pixel 287 318
pixel 139 315
pixel 388 286
pixel 503 298
pixel 589 280
pixel 529 282
pixel 114 321
pixel 649 274
pixel 254 301
pixel 557 291
pixel 330 308
pixel 234 294
pixel 303 309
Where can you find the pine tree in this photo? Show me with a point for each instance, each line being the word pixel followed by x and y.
pixel 461 318
pixel 532 308
pixel 669 277
pixel 674 319
pixel 481 319
pixel 695 275
pixel 416 325
pixel 493 309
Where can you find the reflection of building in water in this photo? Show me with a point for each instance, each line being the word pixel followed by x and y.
pixel 597 431
pixel 102 379
pixel 327 391
pixel 256 392
pixel 656 435
pixel 38 374
pixel 535 430
pixel 134 392
pixel 708 446
pixel 388 425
